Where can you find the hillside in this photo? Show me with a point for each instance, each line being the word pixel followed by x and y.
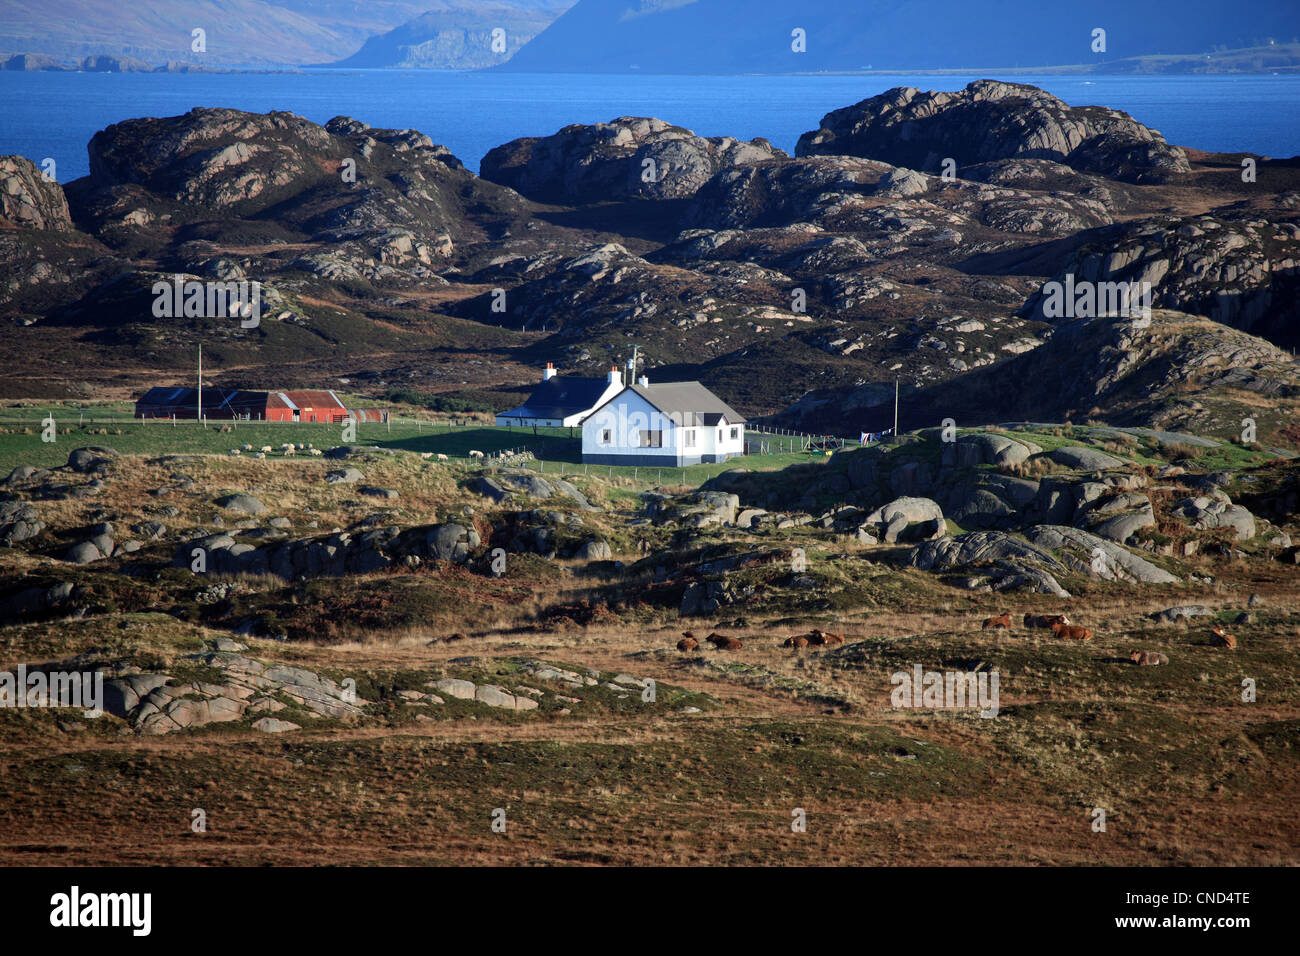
pixel 457 35
pixel 754 36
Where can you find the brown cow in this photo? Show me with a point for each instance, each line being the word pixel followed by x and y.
pixel 1221 638
pixel 1045 620
pixel 1002 620
pixel 1145 658
pixel 688 644
pixel 689 635
pixel 724 643
pixel 796 642
pixel 827 638
pixel 1071 632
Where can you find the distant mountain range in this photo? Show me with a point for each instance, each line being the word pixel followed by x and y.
pixel 660 36
pixel 459 34
pixel 763 36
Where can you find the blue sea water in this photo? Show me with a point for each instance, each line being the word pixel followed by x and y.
pixel 55 114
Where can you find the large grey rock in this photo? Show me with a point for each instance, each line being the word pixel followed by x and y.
pixel 1182 612
pixel 1088 554
pixel 595 550
pixel 244 504
pixel 273 725
pixel 454 687
pixel 1217 512
pixel 91 460
pixel 19 521
pixel 343 476
pixel 83 553
pixel 1086 459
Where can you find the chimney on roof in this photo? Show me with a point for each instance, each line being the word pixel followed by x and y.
pixel 549 373
pixel 643 380
pixel 612 377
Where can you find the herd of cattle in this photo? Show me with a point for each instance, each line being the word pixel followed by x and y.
pixel 1058 624
pixel 814 638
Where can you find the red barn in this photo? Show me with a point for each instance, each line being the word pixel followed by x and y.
pixel 293 405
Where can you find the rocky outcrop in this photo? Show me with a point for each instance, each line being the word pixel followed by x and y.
pixel 1242 272
pixel 1005 561
pixel 28 200
pixel 334 555
pixel 988 121
pixel 629 157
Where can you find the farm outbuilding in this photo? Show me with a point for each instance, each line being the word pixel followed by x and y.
pixel 291 405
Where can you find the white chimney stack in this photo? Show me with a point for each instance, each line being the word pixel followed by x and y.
pixel 643 380
pixel 613 374
pixel 549 373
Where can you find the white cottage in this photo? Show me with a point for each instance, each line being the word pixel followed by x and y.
pixel 673 424
pixel 562 400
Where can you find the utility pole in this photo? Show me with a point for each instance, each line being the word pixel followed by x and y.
pixel 200 392
pixel 895 408
pixel 630 377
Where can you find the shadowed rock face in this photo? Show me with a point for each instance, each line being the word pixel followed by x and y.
pixel 990 121
pixel 629 157
pixel 1242 273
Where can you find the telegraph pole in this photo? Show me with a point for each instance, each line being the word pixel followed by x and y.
pixel 895 408
pixel 200 393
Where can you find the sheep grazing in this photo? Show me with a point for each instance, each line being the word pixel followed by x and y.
pixel 724 643
pixel 797 641
pixel 267 449
pixel 1148 658
pixel 1002 620
pixel 1221 638
pixel 1071 632
pixel 234 451
pixel 688 644
pixel 426 455
pixel 315 452
pixel 441 456
pixel 248 447
pixel 260 454
pixel 475 453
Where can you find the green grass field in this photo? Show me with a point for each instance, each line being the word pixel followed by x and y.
pixel 556 450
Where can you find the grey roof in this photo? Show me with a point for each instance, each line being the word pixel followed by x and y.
pixel 688 402
pixel 560 397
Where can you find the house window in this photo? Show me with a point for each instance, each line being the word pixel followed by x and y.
pixel 652 439
pixel 719 434
pixel 607 436
pixel 735 433
pixel 690 438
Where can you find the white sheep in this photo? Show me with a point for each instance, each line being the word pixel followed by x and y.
pixel 474 453
pixel 260 454
pixel 441 456
pixel 426 455
pixel 234 451
pixel 248 448
pixel 266 449
pixel 315 451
